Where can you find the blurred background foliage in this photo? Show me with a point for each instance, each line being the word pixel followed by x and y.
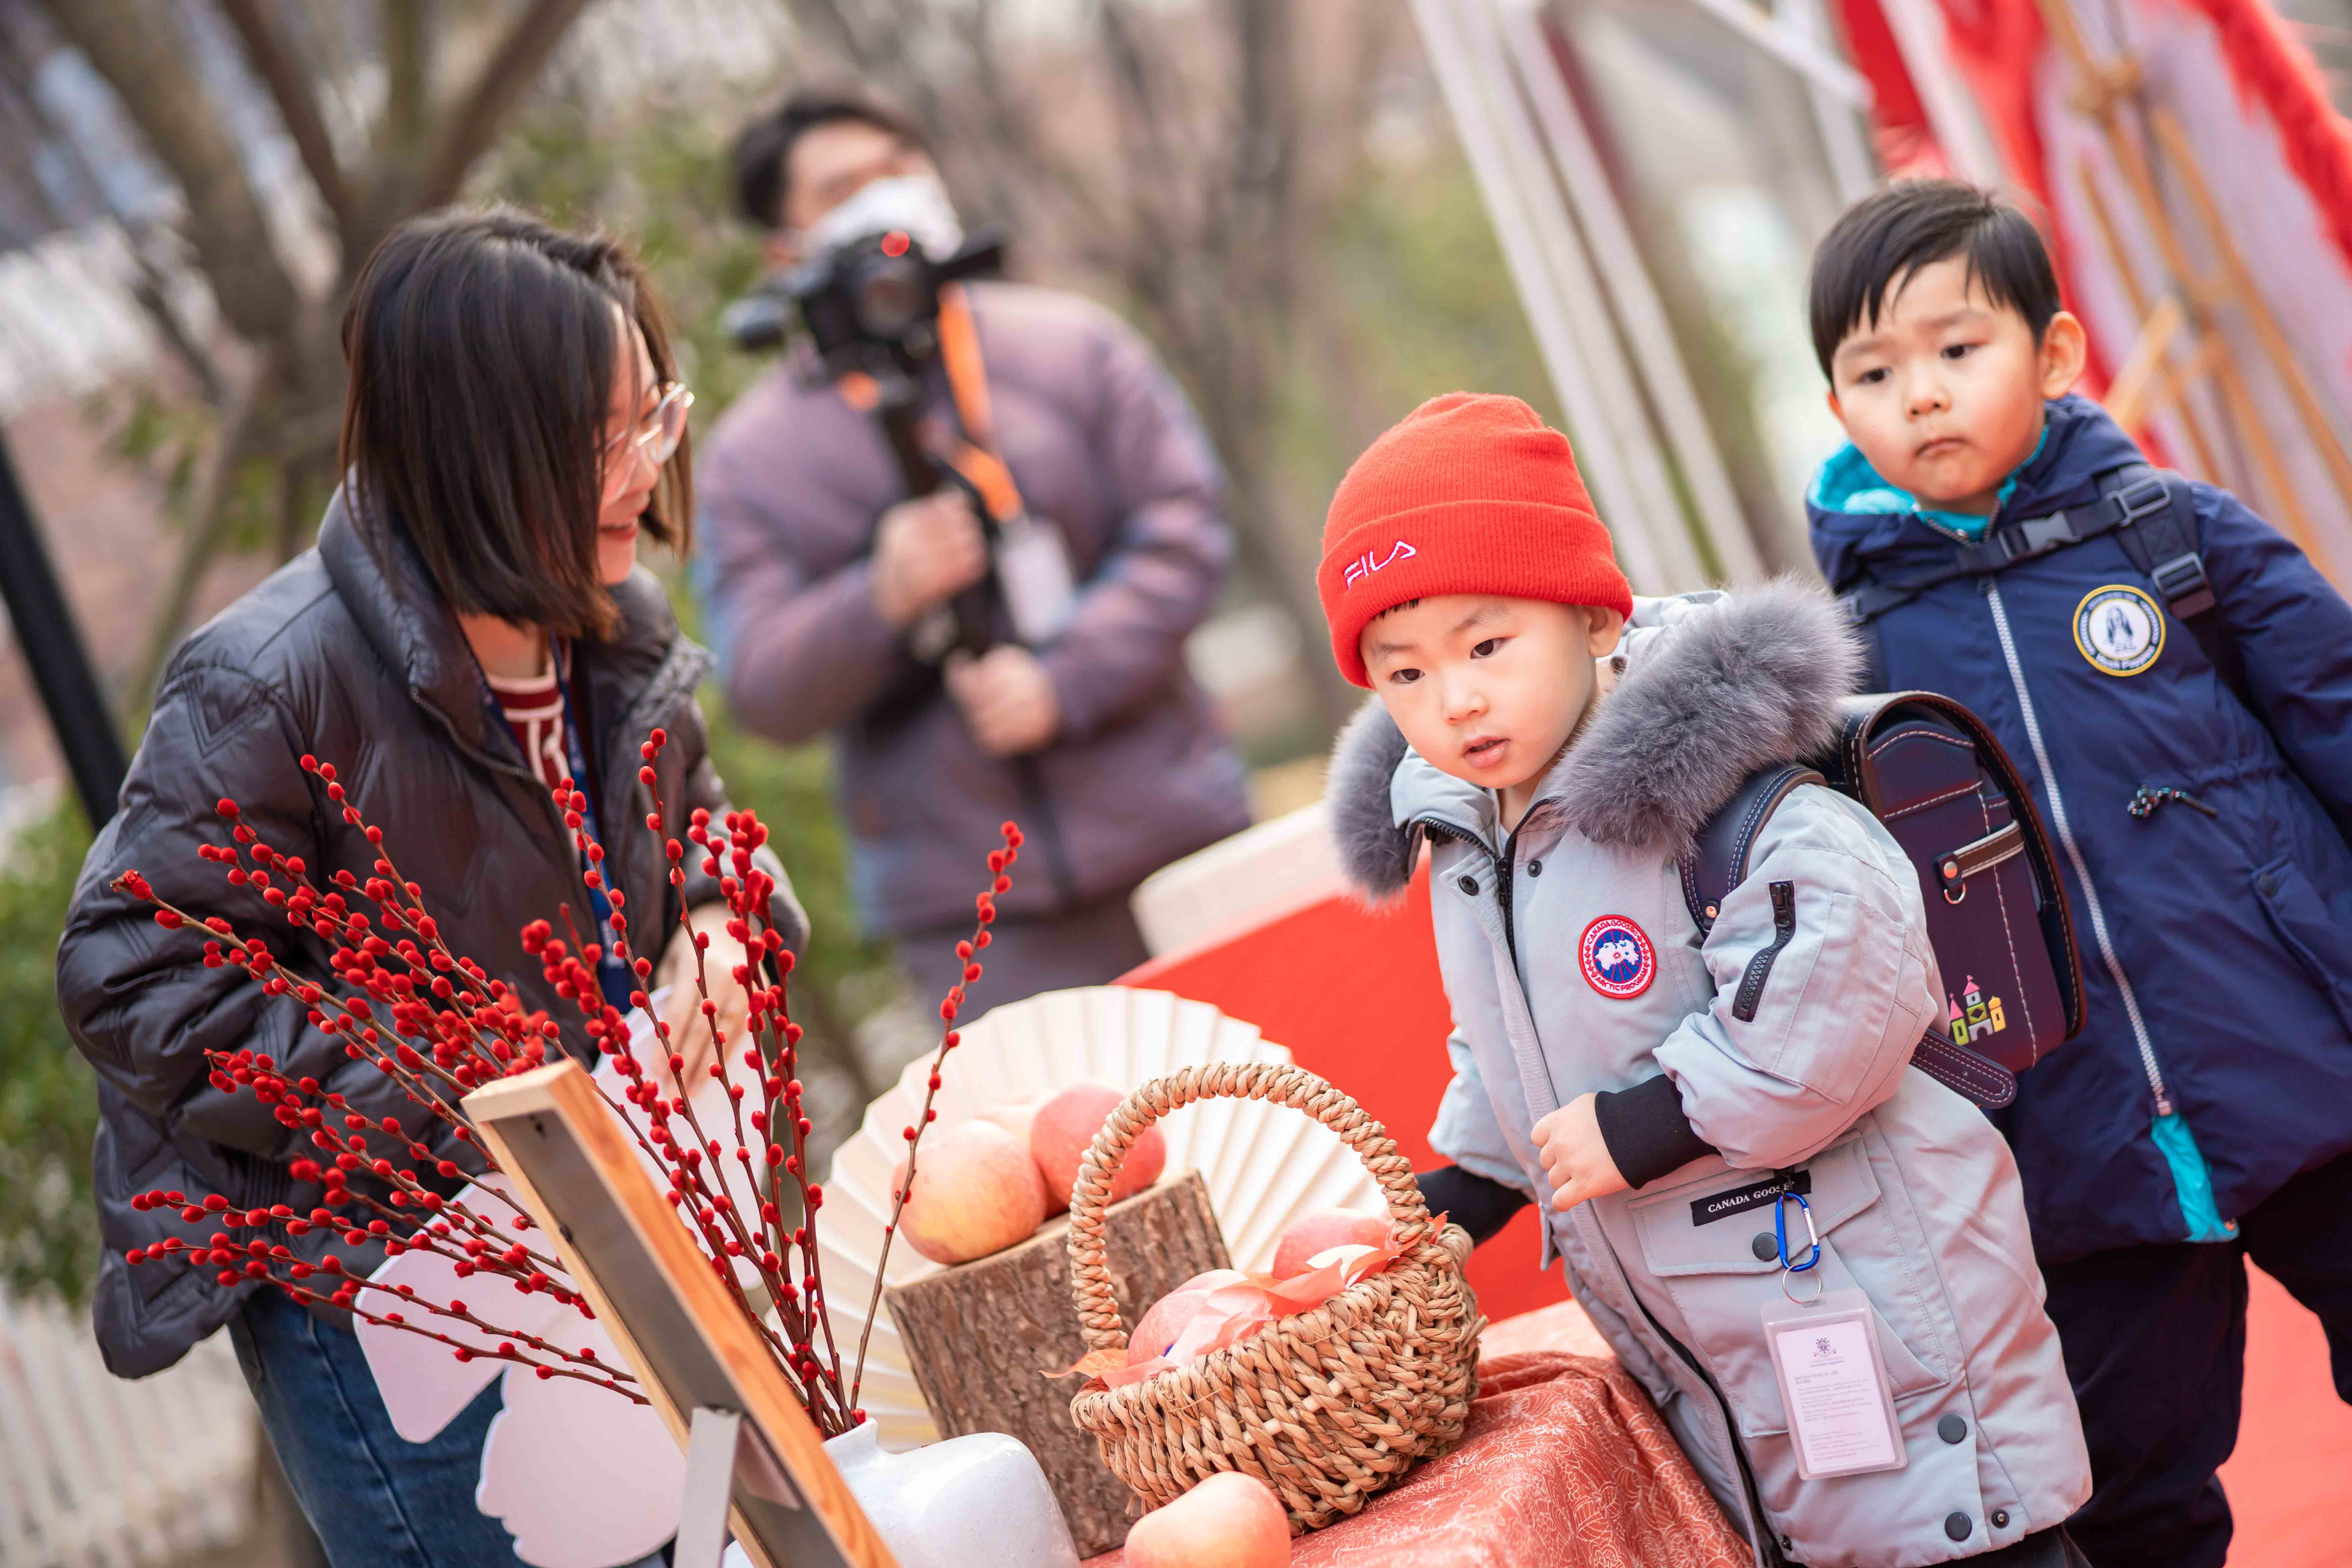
pixel 48 1101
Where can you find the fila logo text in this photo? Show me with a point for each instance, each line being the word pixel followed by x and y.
pixel 1365 565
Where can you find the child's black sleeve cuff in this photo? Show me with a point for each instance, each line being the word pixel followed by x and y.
pixel 1646 1131
pixel 1477 1203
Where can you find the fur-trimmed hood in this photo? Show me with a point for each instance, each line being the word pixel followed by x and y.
pixel 1715 687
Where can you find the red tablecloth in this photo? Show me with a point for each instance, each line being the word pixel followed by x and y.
pixel 1566 1464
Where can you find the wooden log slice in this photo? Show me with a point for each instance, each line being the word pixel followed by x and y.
pixel 981 1336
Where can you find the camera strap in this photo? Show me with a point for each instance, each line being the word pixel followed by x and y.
pixel 1033 563
pixel 968 383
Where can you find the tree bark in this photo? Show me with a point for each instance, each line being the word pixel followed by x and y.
pixel 983 1339
pixel 139 52
pixel 476 115
pixel 288 82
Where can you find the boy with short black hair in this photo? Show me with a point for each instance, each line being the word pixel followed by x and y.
pixel 1692 1106
pixel 2175 680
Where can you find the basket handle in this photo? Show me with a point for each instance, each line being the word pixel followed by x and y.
pixel 1278 1082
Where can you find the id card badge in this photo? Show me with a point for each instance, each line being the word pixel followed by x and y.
pixel 1033 567
pixel 1834 1385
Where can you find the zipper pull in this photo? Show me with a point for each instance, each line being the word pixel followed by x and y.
pixel 2148 797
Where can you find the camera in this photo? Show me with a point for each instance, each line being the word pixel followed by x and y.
pixel 870 305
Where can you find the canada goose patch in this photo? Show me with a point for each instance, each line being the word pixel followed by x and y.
pixel 1618 960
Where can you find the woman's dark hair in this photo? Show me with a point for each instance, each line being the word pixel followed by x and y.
pixel 481 351
pixel 764 150
pixel 1884 238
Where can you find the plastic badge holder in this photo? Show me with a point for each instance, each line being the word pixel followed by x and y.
pixel 1833 1383
pixel 1033 567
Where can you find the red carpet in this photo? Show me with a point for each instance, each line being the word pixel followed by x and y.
pixel 2289 1482
pixel 1356 997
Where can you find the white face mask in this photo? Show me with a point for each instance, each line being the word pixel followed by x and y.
pixel 916 204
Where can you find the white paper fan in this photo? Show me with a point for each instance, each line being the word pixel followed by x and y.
pixel 1264 1166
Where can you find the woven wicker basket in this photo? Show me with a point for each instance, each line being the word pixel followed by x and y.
pixel 1328 1406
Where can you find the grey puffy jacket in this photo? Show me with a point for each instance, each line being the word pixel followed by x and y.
pixel 356 660
pixel 1573 965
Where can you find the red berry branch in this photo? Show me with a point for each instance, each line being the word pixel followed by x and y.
pixel 1000 862
pixel 438 1024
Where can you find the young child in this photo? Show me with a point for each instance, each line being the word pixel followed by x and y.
pixel 2198 776
pixel 1671 1097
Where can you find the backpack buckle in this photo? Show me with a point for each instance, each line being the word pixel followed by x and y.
pixel 2186 590
pixel 2040 535
pixel 2142 497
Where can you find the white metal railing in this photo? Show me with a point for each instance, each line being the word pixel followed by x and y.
pixel 98 1473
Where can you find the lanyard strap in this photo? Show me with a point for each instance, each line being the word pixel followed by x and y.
pixel 612 977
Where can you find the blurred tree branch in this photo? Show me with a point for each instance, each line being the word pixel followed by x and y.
pixel 138 50
pixel 405 47
pixel 417 157
pixel 288 82
pixel 470 126
pixel 21 103
pixel 232 446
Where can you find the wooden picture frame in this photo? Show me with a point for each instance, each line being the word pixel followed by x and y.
pixel 574 1166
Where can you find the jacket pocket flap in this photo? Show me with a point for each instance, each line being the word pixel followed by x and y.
pixel 1711 1227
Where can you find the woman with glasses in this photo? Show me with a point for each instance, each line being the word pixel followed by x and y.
pixel 471 626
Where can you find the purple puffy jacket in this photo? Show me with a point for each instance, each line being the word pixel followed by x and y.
pixel 790 488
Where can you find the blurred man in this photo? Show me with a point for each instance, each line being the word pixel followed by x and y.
pixel 825 581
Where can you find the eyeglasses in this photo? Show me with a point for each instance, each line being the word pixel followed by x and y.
pixel 655 438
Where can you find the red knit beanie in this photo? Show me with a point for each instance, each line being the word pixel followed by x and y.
pixel 1466 494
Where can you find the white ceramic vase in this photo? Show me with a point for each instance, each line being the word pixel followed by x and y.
pixel 978 1501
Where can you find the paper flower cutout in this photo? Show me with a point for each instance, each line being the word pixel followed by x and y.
pixel 579 1479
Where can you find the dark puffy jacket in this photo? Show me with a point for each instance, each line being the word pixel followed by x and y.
pixel 790 488
pixel 2216 949
pixel 360 663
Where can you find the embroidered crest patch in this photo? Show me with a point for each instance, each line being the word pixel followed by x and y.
pixel 1618 960
pixel 2119 629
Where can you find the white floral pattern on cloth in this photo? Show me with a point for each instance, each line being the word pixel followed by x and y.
pixel 1566 1464
pixel 580 1476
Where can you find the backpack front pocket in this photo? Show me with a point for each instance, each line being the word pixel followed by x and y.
pixel 1709 1246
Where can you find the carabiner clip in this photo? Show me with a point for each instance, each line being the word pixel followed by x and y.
pixel 1780 1232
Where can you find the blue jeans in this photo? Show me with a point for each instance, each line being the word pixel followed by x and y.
pixel 375 1499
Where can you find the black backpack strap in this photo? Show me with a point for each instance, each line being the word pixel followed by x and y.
pixel 1874 597
pixel 1718 859
pixel 2131 495
pixel 1717 863
pixel 2135 493
pixel 2163 544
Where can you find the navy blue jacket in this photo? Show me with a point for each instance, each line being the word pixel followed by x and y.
pixel 2216 1059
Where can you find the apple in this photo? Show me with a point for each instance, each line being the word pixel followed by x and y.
pixel 1229 1520
pixel 976 1192
pixel 1166 1318
pixel 1063 1130
pixel 1321 1231
pixel 1015 1116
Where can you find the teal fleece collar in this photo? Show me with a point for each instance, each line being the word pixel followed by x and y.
pixel 1847 483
